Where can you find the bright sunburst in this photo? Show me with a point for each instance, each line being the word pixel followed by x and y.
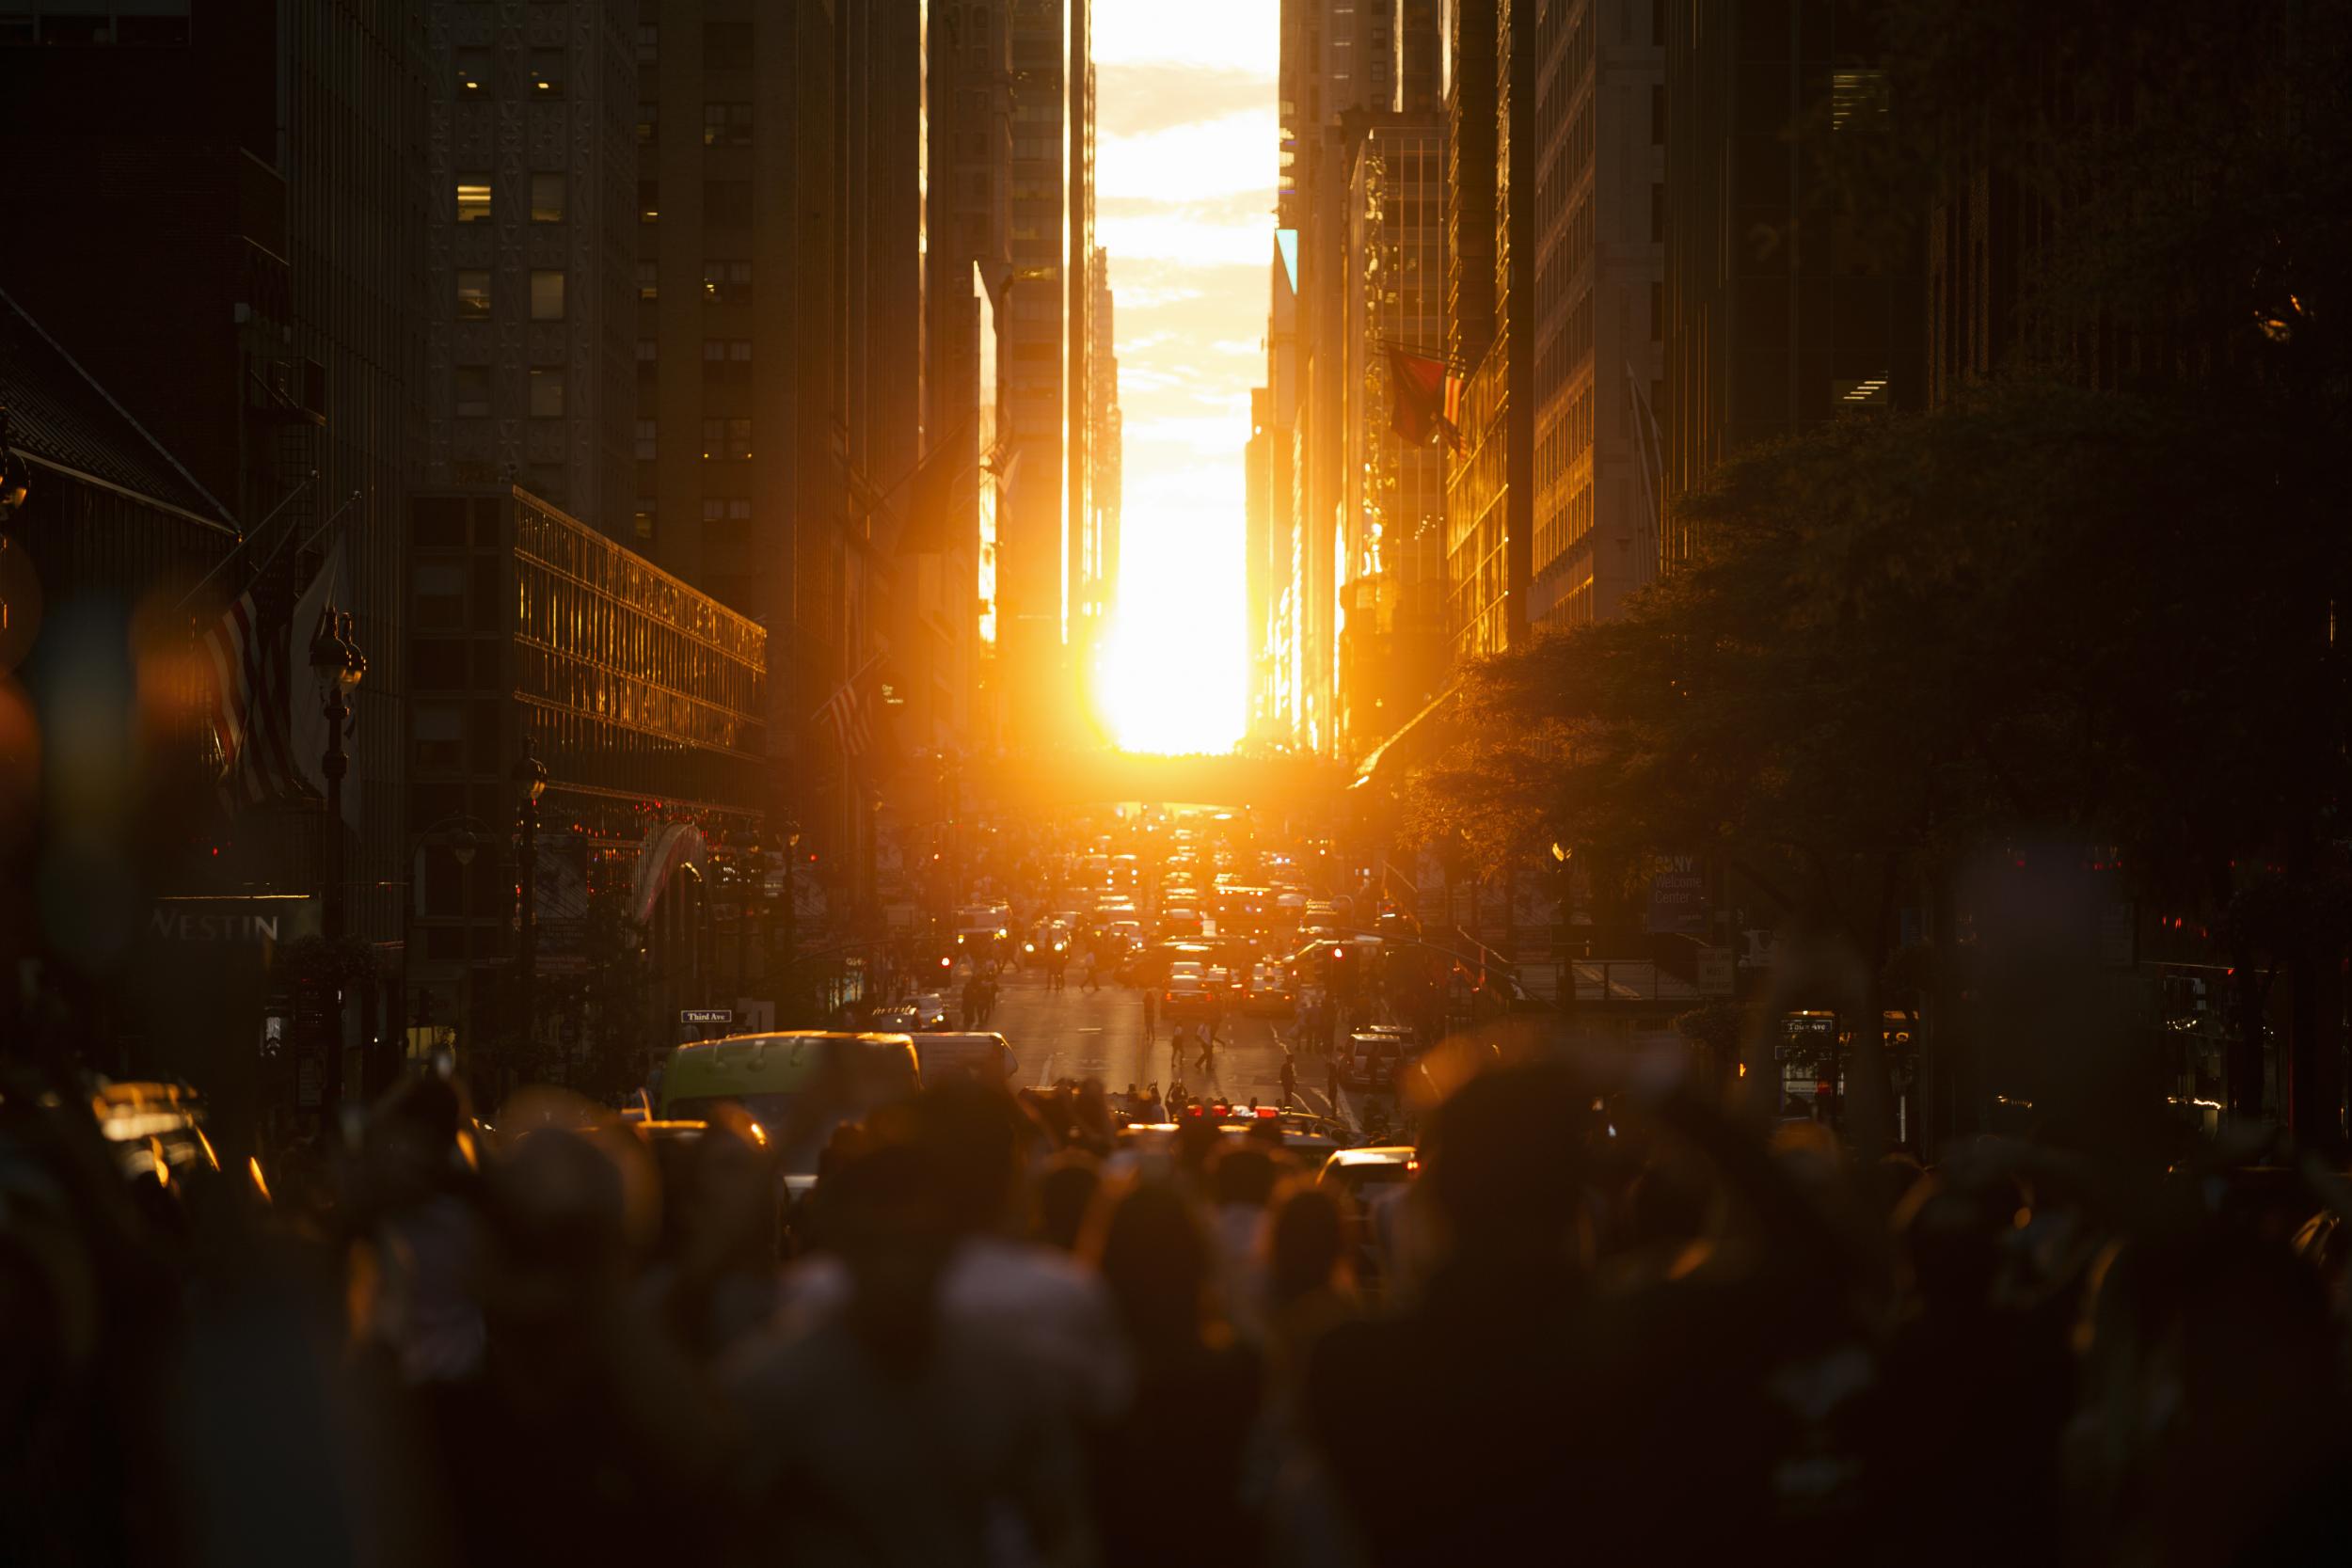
pixel 1174 677
pixel 1184 181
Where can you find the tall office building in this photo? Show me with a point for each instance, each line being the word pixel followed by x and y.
pixel 743 427
pixel 968 81
pixel 1771 324
pixel 1487 511
pixel 1106 451
pixel 1391 579
pixel 530 373
pixel 1045 304
pixel 1596 307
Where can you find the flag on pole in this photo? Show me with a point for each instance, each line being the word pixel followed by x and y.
pixel 308 718
pixel 250 694
pixel 851 712
pixel 1424 399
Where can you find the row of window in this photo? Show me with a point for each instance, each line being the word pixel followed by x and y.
pixel 725 441
pixel 547 293
pixel 726 123
pixel 726 203
pixel 725 41
pixel 475 194
pixel 474 393
pixel 725 281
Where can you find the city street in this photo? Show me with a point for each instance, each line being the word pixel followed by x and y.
pixel 1082 1033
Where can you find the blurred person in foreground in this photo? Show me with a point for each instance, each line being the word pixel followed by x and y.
pixel 1199 1390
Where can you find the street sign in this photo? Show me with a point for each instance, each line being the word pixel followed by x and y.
pixel 1715 970
pixel 705 1015
pixel 1677 902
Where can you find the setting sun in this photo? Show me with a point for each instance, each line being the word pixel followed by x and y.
pixel 1173 677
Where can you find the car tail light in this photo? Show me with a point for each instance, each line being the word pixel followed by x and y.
pixel 1266 1113
pixel 1412 1167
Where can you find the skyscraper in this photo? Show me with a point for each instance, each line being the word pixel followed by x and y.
pixel 1046 303
pixel 1771 323
pixel 1597 158
pixel 530 374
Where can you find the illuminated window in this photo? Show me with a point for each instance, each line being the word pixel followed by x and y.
pixel 473 295
pixel 473 199
pixel 727 282
pixel 644 522
pixel 547 198
pixel 649 124
pixel 474 391
pixel 649 202
pixel 648 280
pixel 546 296
pixel 474 73
pixel 547 394
pixel 546 73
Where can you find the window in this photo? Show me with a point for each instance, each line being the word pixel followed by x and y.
pixel 648 350
pixel 732 350
pixel 1657 213
pixel 547 198
pixel 546 74
pixel 473 199
pixel 726 439
pixel 727 40
pixel 726 202
pixel 649 202
pixel 546 296
pixel 648 280
pixel 547 394
pixel 473 295
pixel 647 446
pixel 474 73
pixel 727 282
pixel 648 43
pixel 437 729
pixel 727 125
pixel 644 522
pixel 1657 114
pixel 649 124
pixel 474 391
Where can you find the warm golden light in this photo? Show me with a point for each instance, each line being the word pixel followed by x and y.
pixel 1174 676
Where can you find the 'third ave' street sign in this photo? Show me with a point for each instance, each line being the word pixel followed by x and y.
pixel 705 1015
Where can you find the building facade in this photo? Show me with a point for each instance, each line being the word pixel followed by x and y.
pixel 1392 587
pixel 647 703
pixel 1044 305
pixel 1770 323
pixel 1598 306
pixel 536 200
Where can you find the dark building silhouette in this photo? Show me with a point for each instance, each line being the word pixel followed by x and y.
pixel 1773 319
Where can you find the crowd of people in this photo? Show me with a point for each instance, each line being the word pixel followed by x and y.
pixel 1607 1319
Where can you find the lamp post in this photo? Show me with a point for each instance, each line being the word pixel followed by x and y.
pixel 787 933
pixel 335 657
pixel 531 782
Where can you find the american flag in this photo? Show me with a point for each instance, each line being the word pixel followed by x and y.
pixel 851 712
pixel 250 704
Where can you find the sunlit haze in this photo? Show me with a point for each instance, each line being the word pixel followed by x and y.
pixel 1184 169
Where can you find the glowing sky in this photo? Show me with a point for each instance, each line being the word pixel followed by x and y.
pixel 1184 164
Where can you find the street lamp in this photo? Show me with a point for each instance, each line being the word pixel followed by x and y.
pixel 531 782
pixel 335 658
pixel 787 935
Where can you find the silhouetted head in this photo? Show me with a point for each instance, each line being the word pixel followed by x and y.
pixel 1502 1158
pixel 1064 1194
pixel 1245 1174
pixel 1155 1262
pixel 1308 1242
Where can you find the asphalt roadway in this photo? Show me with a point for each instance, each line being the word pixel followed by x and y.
pixel 1082 1033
